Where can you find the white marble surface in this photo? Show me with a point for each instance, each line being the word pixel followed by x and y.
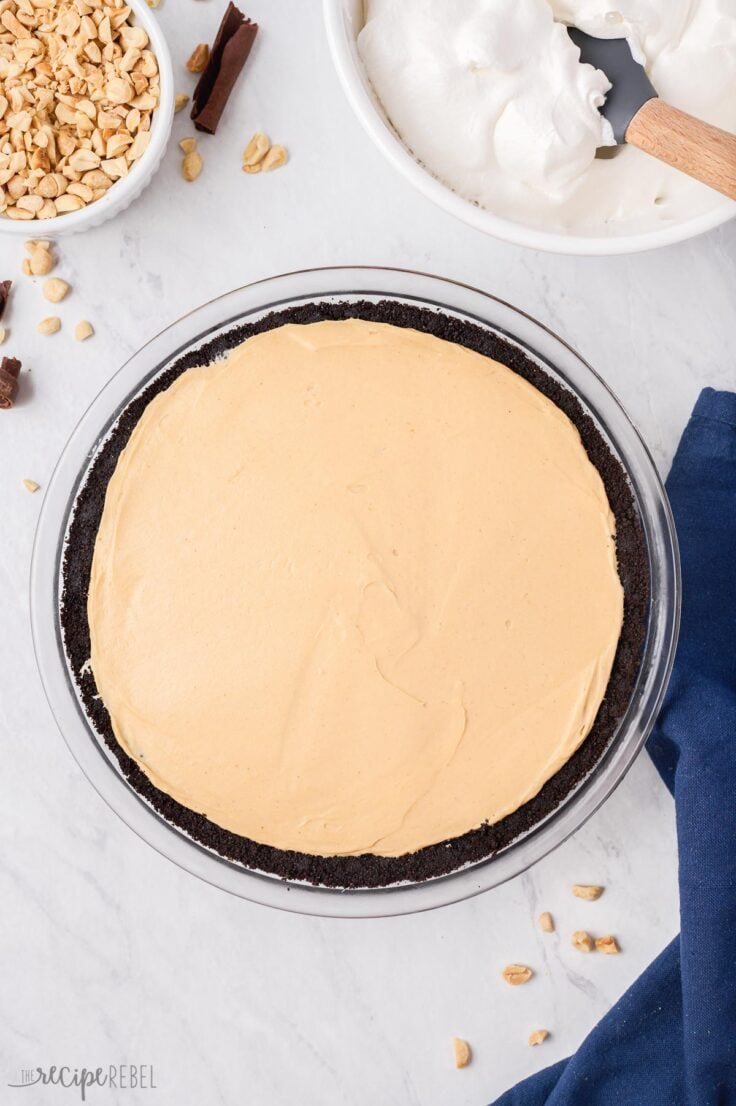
pixel 109 952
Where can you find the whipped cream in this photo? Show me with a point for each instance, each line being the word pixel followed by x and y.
pixel 490 95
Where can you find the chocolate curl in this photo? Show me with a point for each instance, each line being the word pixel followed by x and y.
pixel 5 286
pixel 9 369
pixel 228 56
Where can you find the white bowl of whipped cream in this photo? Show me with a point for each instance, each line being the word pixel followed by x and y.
pixel 485 107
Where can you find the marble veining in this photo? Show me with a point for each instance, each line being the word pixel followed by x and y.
pixel 110 954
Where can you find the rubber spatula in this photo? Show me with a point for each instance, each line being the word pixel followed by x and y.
pixel 639 117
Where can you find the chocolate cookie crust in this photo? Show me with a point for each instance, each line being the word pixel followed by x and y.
pixel 435 860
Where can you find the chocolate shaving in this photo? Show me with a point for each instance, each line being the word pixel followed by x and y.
pixel 228 56
pixel 9 370
pixel 5 286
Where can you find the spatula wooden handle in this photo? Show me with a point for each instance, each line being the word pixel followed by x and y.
pixel 696 148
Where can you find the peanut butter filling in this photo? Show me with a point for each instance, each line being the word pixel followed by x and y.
pixel 354 590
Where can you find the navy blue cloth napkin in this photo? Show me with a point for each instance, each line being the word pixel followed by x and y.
pixel 671 1039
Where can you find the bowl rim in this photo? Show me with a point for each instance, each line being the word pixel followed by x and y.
pixel 356 86
pixel 220 314
pixel 137 178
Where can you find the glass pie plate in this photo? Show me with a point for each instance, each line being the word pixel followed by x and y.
pixel 247 304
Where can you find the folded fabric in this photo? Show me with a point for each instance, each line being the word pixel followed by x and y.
pixel 671 1039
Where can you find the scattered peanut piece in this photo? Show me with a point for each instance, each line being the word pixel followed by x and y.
pixel 83 330
pixel 587 891
pixel 180 101
pixel 31 485
pixel 200 56
pixel 153 3
pixel 546 922
pixel 3 334
pixel 50 325
pixel 191 166
pixel 538 1036
pixel 256 149
pixel 582 941
pixel 462 1052
pixel 274 159
pixel 41 260
pixel 54 289
pixel 259 155
pixel 608 945
pixel 516 974
pixel 26 267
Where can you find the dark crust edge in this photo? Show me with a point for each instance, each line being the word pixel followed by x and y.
pixel 367 870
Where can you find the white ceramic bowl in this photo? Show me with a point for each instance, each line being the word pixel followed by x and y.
pixel 123 191
pixel 343 21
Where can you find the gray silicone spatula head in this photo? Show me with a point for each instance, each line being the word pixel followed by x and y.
pixel 630 86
